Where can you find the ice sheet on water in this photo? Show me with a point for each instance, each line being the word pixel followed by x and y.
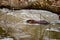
pixel 32 14
pixel 53 29
pixel 46 38
pixel 19 29
pixel 7 39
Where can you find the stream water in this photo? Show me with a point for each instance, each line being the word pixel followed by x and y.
pixel 13 22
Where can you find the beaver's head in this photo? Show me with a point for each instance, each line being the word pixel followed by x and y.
pixel 31 21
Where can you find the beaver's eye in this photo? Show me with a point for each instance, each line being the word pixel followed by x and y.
pixel 28 21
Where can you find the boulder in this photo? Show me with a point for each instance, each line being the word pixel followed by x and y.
pixel 50 5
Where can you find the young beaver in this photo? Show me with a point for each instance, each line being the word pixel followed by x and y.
pixel 37 22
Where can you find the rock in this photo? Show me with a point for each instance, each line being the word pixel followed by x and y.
pixel 16 4
pixel 50 5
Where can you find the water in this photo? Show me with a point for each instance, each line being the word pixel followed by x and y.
pixel 14 23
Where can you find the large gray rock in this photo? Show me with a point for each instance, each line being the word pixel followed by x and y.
pixel 50 5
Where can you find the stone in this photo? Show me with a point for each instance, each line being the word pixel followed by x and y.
pixel 50 5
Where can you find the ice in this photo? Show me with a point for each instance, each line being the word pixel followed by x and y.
pixel 53 29
pixel 7 39
pixel 16 26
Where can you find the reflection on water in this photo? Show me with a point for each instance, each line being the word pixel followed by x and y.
pixel 14 25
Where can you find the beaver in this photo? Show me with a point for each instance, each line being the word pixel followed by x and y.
pixel 38 22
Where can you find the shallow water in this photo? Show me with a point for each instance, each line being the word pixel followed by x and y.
pixel 14 24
